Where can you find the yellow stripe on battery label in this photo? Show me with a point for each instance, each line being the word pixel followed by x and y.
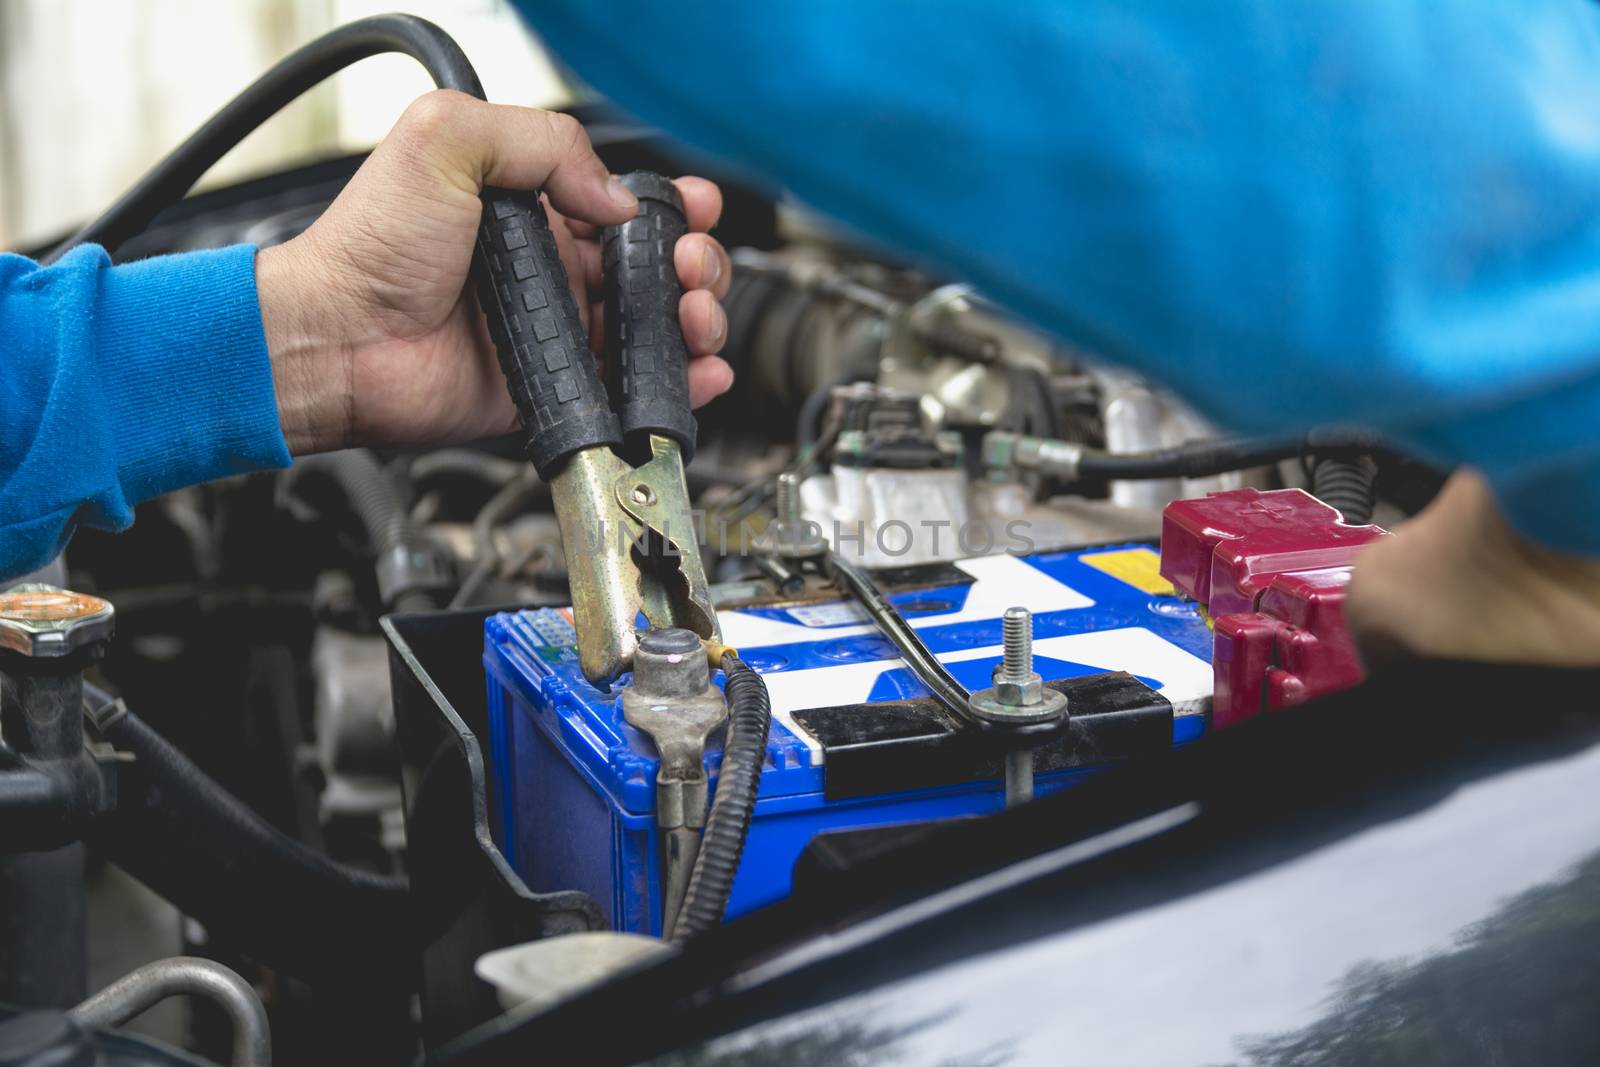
pixel 1139 567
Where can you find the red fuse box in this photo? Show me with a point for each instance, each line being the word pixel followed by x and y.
pixel 1271 570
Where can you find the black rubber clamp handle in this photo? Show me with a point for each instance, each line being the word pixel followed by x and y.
pixel 647 362
pixel 543 349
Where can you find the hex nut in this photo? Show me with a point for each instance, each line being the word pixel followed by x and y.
pixel 1028 691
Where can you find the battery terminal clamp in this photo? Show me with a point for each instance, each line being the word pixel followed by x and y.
pixel 673 701
pixel 628 527
pixel 1269 571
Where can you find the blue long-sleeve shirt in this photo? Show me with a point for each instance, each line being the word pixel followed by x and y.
pixel 1373 211
pixel 121 383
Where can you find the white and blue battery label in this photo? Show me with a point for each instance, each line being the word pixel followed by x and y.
pixel 1094 611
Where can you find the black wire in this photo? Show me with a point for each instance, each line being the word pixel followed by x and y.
pixel 171 179
pixel 1202 459
pixel 893 625
pixel 1195 459
pixel 280 901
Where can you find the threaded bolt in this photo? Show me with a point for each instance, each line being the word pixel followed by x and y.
pixel 788 503
pixel 1017 645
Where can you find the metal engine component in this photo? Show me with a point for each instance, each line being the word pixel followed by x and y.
pixel 1060 459
pixel 897 493
pixel 140 990
pixel 354 718
pixel 51 785
pixel 1139 418
pixel 887 517
pixel 791 535
pixel 43 622
pixel 953 350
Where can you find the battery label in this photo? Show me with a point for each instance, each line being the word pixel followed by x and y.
pixel 830 654
pixel 834 613
pixel 1139 567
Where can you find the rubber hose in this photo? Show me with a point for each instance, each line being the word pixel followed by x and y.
pixel 728 824
pixel 466 462
pixel 1196 459
pixel 377 503
pixel 286 905
pixel 372 494
pixel 1349 485
pixel 1212 456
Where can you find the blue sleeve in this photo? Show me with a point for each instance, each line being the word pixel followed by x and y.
pixel 1384 212
pixel 121 383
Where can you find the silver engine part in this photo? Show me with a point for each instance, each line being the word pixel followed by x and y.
pixel 354 717
pixel 887 518
pixel 1140 418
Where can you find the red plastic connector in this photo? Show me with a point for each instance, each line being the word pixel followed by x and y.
pixel 1271 571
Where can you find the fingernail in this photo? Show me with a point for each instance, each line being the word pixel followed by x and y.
pixel 710 268
pixel 619 193
pixel 719 327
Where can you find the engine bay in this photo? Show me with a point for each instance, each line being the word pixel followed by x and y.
pixel 367 611
pixel 941 564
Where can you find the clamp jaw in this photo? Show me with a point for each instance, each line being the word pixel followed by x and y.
pixel 631 548
pixel 614 463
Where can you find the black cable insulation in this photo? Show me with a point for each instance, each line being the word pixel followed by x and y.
pixel 1195 459
pixel 171 179
pixel 728 823
pixel 893 625
pixel 1348 485
pixel 1204 459
pixel 186 837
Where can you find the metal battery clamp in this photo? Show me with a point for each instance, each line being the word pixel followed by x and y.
pixel 614 462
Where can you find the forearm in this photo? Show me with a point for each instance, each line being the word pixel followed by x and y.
pixel 122 383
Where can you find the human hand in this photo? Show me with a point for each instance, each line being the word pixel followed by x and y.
pixel 1457 582
pixel 374 334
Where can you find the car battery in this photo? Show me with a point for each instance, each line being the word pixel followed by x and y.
pixel 856 740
